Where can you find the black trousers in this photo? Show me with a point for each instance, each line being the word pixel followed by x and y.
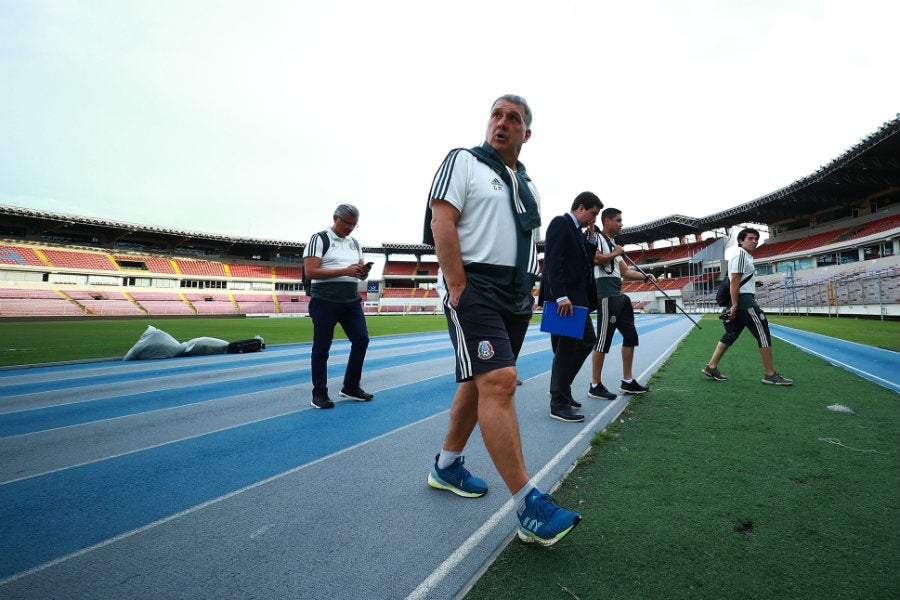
pixel 569 355
pixel 325 316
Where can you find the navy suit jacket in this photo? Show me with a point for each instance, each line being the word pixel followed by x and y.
pixel 568 264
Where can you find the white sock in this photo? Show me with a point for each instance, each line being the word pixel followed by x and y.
pixel 628 380
pixel 594 384
pixel 519 497
pixel 446 458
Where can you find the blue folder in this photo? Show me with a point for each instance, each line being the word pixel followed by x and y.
pixel 571 326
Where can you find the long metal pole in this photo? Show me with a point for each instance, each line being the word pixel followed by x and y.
pixel 644 273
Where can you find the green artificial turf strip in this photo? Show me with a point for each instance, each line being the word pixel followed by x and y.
pixel 29 342
pixel 42 341
pixel 734 489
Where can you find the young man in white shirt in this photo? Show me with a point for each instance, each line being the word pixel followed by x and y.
pixel 743 312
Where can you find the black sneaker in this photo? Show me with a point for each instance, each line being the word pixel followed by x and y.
pixel 572 402
pixel 600 392
pixel 777 379
pixel 632 388
pixel 565 413
pixel 713 373
pixel 321 400
pixel 357 393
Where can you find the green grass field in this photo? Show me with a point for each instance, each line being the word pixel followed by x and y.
pixel 55 341
pixel 707 489
pixel 29 342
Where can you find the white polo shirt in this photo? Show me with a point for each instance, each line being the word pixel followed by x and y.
pixel 342 252
pixel 740 261
pixel 486 219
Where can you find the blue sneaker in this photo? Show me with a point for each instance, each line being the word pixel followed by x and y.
pixel 457 479
pixel 544 522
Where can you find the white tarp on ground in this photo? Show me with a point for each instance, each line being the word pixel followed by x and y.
pixel 156 343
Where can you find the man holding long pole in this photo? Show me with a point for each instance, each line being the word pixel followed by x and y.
pixel 614 311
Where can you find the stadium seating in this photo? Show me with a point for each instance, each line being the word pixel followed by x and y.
pixel 648 257
pixel 288 273
pixel 427 268
pixel 19 255
pixel 873 228
pixel 28 293
pixel 397 292
pixel 666 284
pixel 155 264
pixel 211 304
pixel 811 242
pixel 255 303
pixel 200 267
pixel 162 303
pixel 684 251
pixel 399 268
pixel 253 271
pixel 106 303
pixel 78 274
pixel 39 307
pixel 392 308
pixel 293 303
pixel 69 259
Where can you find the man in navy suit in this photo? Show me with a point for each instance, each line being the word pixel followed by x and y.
pixel 568 280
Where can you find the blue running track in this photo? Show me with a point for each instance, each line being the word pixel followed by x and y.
pixel 875 364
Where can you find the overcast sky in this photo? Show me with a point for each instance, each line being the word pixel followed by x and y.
pixel 258 118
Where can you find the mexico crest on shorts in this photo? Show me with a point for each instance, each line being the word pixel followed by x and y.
pixel 485 350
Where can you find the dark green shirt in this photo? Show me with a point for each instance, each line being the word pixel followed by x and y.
pixel 337 291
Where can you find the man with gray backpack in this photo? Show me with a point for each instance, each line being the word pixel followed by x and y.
pixel 333 262
pixel 743 312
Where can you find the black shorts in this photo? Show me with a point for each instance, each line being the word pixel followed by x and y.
pixel 615 313
pixel 754 320
pixel 491 337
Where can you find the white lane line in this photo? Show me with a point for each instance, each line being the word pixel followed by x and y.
pixel 181 439
pixel 502 514
pixel 871 376
pixel 206 504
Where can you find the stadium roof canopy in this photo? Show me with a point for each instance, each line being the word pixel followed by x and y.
pixel 42 226
pixel 867 170
pixel 871 168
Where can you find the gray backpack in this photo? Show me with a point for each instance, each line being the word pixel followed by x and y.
pixel 326 242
